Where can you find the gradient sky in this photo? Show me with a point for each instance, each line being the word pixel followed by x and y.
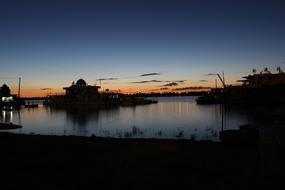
pixel 50 43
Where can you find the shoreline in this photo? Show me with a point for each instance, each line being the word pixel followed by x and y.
pixel 70 162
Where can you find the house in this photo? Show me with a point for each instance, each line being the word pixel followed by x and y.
pixel 81 91
pixel 264 79
pixel 5 94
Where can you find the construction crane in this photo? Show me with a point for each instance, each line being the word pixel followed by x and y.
pixel 222 78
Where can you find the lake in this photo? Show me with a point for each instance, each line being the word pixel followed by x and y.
pixel 171 118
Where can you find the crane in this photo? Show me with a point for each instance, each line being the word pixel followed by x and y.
pixel 222 79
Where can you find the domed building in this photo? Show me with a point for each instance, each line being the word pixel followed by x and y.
pixel 81 83
pixel 5 91
pixel 5 95
pixel 81 91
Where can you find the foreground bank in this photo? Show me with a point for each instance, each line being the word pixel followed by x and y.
pixel 53 162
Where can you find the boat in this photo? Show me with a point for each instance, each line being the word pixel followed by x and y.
pixel 208 99
pixel 83 94
pixel 7 126
pixel 134 101
pixel 258 88
pixel 263 88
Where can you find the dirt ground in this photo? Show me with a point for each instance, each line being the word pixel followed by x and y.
pixel 53 162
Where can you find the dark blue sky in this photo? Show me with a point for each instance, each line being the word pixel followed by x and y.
pixel 52 42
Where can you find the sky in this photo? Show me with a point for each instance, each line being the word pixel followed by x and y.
pixel 50 43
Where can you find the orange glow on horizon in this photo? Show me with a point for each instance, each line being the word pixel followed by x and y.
pixel 125 88
pixel 27 93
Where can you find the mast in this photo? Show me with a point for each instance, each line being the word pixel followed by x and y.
pixel 19 88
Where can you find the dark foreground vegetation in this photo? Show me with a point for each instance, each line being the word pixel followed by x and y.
pixel 52 162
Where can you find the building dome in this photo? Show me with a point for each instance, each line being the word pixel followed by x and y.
pixel 4 86
pixel 81 82
pixel 5 90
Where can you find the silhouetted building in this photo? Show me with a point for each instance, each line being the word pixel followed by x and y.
pixel 261 88
pixel 257 88
pixel 5 95
pixel 264 79
pixel 5 91
pixel 81 91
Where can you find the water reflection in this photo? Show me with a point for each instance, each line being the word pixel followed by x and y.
pixel 6 116
pixel 81 115
pixel 82 120
pixel 171 118
pixel 258 114
pixel 134 132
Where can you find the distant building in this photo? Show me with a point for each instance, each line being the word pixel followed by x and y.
pixel 257 88
pixel 5 91
pixel 81 91
pixel 5 94
pixel 265 79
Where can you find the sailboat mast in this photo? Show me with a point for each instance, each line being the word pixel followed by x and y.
pixel 19 88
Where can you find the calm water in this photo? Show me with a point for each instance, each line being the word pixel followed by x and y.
pixel 172 117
